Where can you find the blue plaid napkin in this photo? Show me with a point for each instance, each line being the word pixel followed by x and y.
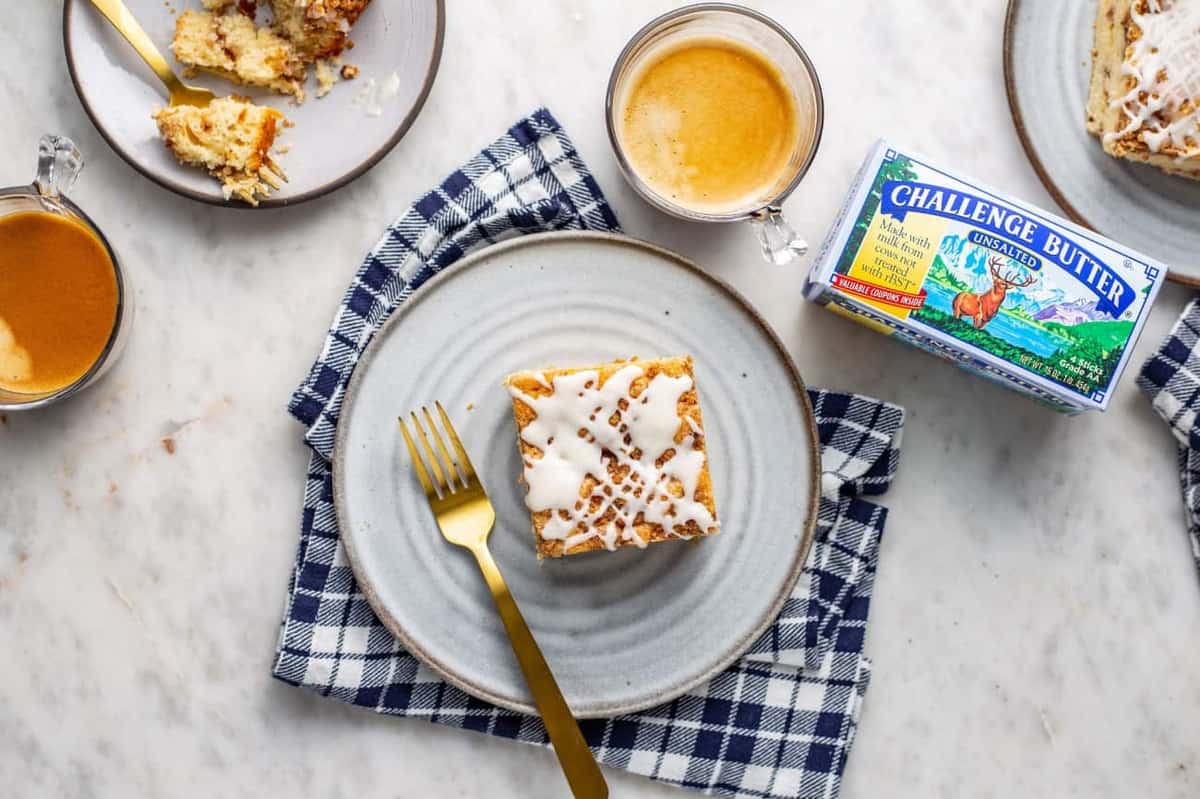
pixel 1171 378
pixel 781 721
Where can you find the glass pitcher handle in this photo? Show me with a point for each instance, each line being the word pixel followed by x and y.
pixel 59 163
pixel 780 243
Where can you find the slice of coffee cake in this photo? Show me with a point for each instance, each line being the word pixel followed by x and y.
pixel 230 137
pixel 1144 97
pixel 232 46
pixel 317 28
pixel 614 455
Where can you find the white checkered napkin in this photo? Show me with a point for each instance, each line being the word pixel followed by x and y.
pixel 1171 378
pixel 779 723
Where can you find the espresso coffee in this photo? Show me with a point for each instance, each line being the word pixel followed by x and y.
pixel 58 301
pixel 710 125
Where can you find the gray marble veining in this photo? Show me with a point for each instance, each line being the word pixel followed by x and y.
pixel 1037 611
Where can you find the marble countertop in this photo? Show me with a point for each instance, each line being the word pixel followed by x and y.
pixel 1037 609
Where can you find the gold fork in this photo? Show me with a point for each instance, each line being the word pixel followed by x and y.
pixel 116 12
pixel 465 517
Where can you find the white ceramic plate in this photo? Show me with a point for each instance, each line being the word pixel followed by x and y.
pixel 1047 65
pixel 334 139
pixel 623 630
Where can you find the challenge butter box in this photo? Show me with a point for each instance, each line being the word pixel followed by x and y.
pixel 998 286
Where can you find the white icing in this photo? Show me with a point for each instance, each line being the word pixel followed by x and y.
pixel 368 98
pixel 581 426
pixel 372 95
pixel 390 86
pixel 1165 66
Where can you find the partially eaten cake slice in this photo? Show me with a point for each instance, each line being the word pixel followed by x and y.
pixel 318 28
pixel 232 46
pixel 614 455
pixel 230 137
pixel 1144 98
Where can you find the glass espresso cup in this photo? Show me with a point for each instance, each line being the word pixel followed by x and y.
pixel 758 66
pixel 52 310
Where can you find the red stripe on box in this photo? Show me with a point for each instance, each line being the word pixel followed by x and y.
pixel 900 299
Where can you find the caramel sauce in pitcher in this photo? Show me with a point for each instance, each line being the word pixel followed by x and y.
pixel 58 301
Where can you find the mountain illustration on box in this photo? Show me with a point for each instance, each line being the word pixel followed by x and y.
pixel 1071 313
pixel 1031 313
pixel 1042 301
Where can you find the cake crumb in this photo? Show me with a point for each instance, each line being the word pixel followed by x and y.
pixel 470 406
pixel 112 487
pixel 4 419
pixel 168 444
pixel 349 72
pixel 326 77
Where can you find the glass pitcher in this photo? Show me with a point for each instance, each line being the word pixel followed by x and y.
pixel 59 163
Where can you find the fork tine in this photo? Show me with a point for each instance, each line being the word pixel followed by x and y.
pixel 433 461
pixel 464 463
pixel 452 473
pixel 269 177
pixel 276 168
pixel 416 459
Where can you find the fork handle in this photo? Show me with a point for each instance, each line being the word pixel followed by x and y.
pixel 577 761
pixel 122 19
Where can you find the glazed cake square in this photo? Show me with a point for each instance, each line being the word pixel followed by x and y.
pixel 1144 96
pixel 614 455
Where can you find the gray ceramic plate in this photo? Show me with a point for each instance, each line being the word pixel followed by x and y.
pixel 1047 64
pixel 334 140
pixel 624 630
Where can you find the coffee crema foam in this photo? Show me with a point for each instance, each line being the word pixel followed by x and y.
pixel 710 125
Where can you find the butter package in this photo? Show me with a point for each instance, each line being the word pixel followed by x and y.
pixel 996 285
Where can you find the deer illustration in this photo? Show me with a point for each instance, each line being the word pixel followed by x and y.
pixel 984 306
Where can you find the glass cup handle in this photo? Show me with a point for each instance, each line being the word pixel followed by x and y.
pixel 780 243
pixel 59 163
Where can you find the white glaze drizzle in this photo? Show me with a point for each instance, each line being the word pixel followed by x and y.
pixel 573 430
pixel 1165 66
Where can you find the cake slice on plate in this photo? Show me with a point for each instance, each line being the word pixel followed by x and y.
pixel 232 46
pixel 317 28
pixel 1144 96
pixel 230 137
pixel 614 455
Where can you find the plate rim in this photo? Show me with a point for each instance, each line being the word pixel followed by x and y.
pixel 1014 107
pixel 431 71
pixel 597 710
